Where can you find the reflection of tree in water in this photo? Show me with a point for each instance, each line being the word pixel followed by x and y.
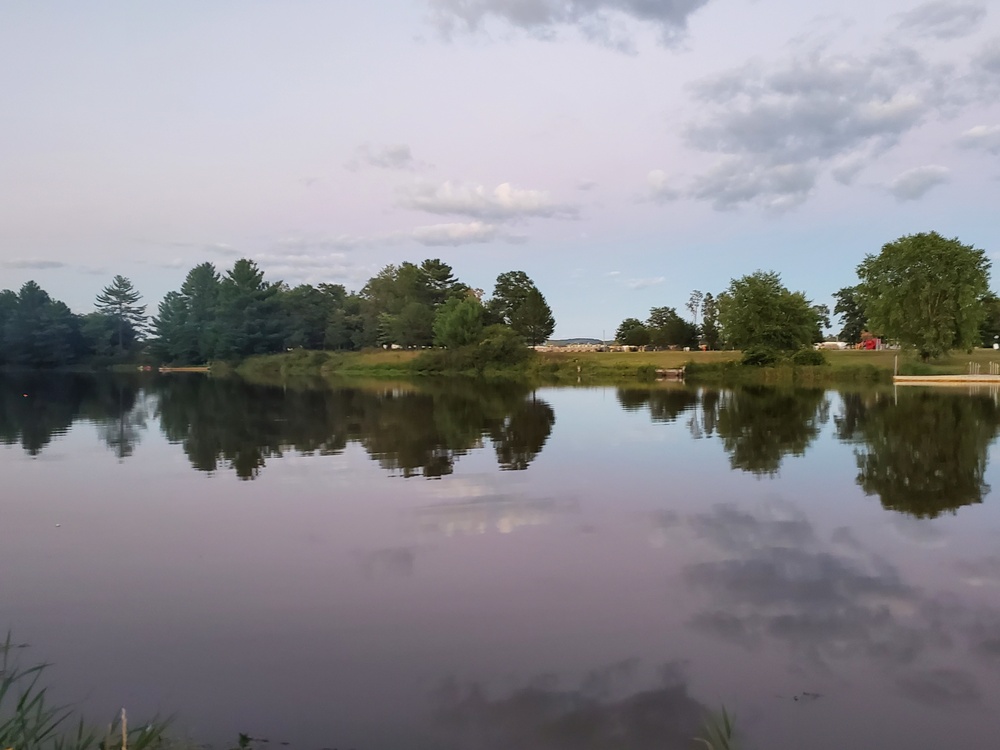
pixel 921 452
pixel 664 404
pixel 35 407
pixel 231 423
pixel 759 426
pixel 541 716
pixel 118 412
pixel 521 435
pixel 411 433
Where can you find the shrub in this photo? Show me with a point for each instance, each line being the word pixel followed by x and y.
pixel 646 373
pixel 809 357
pixel 760 356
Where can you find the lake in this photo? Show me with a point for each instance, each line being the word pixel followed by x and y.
pixel 462 566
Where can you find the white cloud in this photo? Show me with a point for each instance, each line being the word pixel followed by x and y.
pixel 776 187
pixel 341 243
pixel 461 234
pixel 847 169
pixel 814 106
pixel 585 185
pixel 602 21
pixel 943 20
pixel 782 124
pixel 644 283
pixel 659 190
pixel 394 157
pixel 503 203
pixel 34 265
pixel 218 248
pixel 915 183
pixel 985 137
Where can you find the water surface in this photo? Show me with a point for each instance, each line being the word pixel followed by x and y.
pixel 461 566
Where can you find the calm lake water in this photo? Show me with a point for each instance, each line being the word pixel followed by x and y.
pixel 455 566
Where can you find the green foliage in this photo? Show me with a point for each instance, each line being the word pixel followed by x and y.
pixel 37 331
pixel 533 319
pixel 646 373
pixel 757 310
pixel 926 292
pixel 809 358
pixel 459 322
pixel 632 332
pixel 400 302
pixel 989 329
pixel 119 301
pixel 852 314
pixel 667 328
pixel 500 349
pixel 760 356
pixel 710 322
pixel 249 313
pixel 517 302
pixel 720 732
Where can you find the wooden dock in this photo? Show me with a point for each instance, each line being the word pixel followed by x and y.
pixel 670 374
pixel 989 380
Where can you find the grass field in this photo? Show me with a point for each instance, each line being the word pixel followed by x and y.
pixel 955 363
pixel 595 367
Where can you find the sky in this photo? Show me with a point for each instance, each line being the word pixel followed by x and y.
pixel 620 152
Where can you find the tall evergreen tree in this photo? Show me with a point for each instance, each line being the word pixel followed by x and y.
pixel 119 301
pixel 249 313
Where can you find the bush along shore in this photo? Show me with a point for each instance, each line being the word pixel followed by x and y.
pixel 506 359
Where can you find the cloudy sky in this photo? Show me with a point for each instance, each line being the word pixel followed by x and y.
pixel 621 152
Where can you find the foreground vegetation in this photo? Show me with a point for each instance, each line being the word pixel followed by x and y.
pixel 720 367
pixel 29 720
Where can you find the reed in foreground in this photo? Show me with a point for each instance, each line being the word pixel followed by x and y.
pixel 30 721
pixel 720 732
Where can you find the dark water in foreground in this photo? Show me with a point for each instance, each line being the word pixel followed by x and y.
pixel 589 568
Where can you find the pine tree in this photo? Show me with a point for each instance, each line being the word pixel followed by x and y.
pixel 118 301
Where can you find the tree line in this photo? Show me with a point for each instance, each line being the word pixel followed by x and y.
pixel 238 313
pixel 923 291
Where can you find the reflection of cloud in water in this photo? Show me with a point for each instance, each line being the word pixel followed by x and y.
pixel 985 572
pixel 775 581
pixel 501 513
pixel 390 562
pixel 939 687
pixel 918 530
pixel 601 713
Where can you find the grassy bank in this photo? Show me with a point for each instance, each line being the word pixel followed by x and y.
pixel 612 367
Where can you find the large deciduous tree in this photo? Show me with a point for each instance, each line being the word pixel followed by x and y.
pixel 757 310
pixel 926 292
pixel 533 319
pixel 632 332
pixel 667 328
pixel 459 322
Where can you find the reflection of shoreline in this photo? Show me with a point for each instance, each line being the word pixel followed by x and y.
pixel 497 513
